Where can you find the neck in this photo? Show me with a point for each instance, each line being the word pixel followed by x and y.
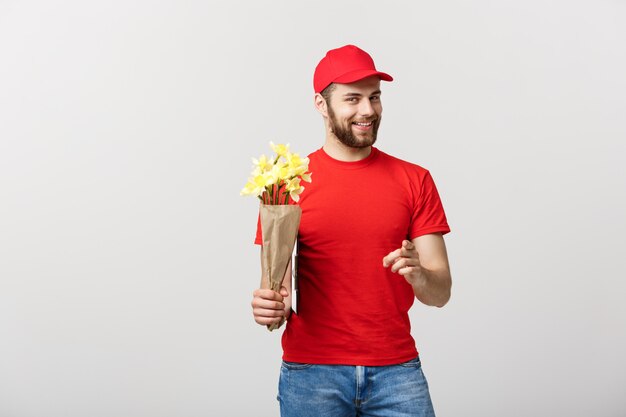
pixel 341 152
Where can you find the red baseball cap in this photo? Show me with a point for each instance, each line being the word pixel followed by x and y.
pixel 345 65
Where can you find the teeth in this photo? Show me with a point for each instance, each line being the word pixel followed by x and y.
pixel 363 124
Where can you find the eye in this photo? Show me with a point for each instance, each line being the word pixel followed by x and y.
pixel 352 99
pixel 375 98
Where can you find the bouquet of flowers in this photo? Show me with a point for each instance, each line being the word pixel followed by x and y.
pixel 276 182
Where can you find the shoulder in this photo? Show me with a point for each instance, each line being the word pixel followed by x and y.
pixel 398 165
pixel 315 156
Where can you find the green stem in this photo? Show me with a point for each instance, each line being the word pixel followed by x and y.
pixel 278 194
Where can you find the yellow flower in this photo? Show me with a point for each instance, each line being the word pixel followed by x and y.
pixel 306 176
pixel 294 188
pixel 280 149
pixel 297 166
pixel 270 175
pixel 292 184
pixel 279 173
pixel 263 164
pixel 248 189
pixel 255 185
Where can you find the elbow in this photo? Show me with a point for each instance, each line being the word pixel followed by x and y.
pixel 442 302
pixel 436 295
pixel 445 297
pixel 434 301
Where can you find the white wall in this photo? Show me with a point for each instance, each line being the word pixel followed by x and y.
pixel 126 255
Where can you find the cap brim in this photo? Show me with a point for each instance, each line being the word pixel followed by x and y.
pixel 357 75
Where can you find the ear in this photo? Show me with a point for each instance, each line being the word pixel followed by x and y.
pixel 321 105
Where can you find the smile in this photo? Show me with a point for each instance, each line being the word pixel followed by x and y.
pixel 363 126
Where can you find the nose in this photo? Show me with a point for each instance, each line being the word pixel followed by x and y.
pixel 365 108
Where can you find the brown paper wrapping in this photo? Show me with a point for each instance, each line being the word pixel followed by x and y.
pixel 279 227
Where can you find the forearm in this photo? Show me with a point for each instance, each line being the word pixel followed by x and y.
pixel 433 288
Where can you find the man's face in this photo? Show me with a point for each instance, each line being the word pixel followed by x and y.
pixel 354 112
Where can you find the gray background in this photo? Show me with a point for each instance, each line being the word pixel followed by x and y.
pixel 126 255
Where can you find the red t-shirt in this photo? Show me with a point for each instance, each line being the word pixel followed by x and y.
pixel 352 310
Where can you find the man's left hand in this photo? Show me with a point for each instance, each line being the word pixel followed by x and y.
pixel 406 262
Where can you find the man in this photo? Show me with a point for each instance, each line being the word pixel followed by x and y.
pixel 370 242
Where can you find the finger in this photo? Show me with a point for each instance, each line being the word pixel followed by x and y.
pixel 267 304
pixel 402 263
pixel 267 294
pixel 268 320
pixel 284 292
pixel 391 257
pixel 407 270
pixel 261 312
pixel 408 249
pixel 268 316
pixel 270 294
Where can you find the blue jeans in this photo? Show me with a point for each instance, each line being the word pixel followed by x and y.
pixel 347 391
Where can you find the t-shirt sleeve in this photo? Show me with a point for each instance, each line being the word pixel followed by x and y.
pixel 428 214
pixel 258 240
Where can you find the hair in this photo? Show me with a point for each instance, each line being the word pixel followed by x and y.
pixel 328 91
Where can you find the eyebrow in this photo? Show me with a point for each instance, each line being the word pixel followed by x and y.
pixel 359 95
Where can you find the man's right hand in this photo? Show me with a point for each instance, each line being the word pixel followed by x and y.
pixel 268 306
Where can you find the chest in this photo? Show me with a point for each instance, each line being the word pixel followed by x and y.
pixel 349 207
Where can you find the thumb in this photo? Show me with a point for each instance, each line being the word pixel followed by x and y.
pixel 284 292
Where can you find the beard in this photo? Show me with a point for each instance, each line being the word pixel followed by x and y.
pixel 347 137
